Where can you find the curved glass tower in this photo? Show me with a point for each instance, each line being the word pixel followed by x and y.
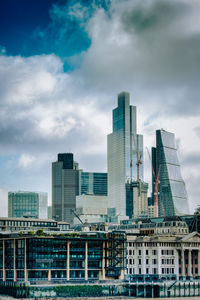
pixel 172 198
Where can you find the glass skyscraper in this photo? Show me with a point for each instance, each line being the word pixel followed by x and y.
pixel 92 183
pixel 172 197
pixel 27 204
pixel 121 153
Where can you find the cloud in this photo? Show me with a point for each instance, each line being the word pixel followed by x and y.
pixel 150 49
pixel 26 160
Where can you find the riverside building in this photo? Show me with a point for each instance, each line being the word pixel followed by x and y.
pixel 50 256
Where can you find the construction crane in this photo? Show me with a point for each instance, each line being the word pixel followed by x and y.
pixel 139 158
pixel 156 183
pixel 77 216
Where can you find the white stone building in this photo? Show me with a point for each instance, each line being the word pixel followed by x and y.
pixel 170 255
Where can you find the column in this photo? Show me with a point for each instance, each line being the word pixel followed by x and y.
pixel 189 262
pixel 49 275
pixel 4 271
pixel 159 271
pixel 86 260
pixel 25 265
pixel 182 262
pixel 103 262
pixel 14 258
pixel 68 259
pixel 198 262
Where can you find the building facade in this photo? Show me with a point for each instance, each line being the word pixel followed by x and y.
pixel 64 257
pixel 93 183
pixel 121 153
pixel 65 187
pixel 92 208
pixel 171 257
pixel 28 204
pixel 172 196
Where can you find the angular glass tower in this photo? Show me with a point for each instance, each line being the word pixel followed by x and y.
pixel 172 197
pixel 121 153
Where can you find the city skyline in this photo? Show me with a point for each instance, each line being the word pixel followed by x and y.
pixel 62 70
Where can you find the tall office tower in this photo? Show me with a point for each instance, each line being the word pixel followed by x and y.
pixel 93 183
pixel 65 187
pixel 172 196
pixel 28 204
pixel 121 153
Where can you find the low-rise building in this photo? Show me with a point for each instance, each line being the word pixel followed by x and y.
pixel 44 256
pixel 29 224
pixel 170 256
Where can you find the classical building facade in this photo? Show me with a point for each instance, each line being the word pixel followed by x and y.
pixel 170 257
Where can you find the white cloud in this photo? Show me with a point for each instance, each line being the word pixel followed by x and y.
pixel 26 160
pixel 151 50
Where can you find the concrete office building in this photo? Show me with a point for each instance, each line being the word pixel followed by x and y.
pixel 28 204
pixel 92 208
pixel 172 197
pixel 65 187
pixel 121 153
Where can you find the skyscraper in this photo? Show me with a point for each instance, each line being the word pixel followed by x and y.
pixel 122 157
pixel 172 196
pixel 28 204
pixel 65 187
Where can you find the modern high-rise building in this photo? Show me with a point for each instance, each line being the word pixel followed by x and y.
pixel 65 187
pixel 122 154
pixel 172 195
pixel 28 204
pixel 93 183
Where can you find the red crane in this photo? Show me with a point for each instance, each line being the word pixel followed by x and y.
pixel 156 183
pixel 139 159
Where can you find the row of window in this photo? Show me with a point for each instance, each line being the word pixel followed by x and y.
pixel 147 252
pixel 28 223
pixel 135 244
pixel 148 271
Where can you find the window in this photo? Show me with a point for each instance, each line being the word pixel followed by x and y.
pixel 147 271
pixel 154 252
pixel 147 261
pixel 140 252
pixel 140 271
pixel 147 252
pixel 130 252
pixel 154 261
pixel 140 261
pixel 130 261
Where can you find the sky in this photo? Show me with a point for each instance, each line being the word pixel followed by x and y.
pixel 62 64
